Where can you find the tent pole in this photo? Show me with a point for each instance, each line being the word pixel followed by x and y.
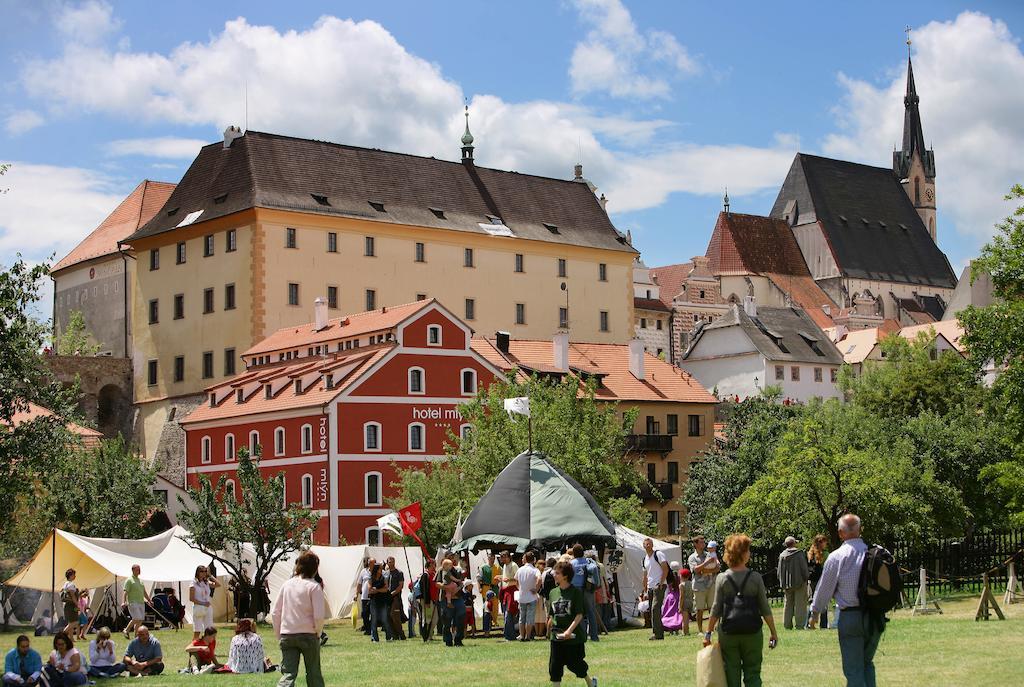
pixel 53 578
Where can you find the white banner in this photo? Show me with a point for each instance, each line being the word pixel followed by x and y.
pixel 519 405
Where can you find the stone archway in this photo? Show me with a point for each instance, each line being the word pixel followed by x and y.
pixel 112 407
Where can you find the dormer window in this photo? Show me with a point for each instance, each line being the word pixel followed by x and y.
pixel 240 396
pixel 298 386
pixel 377 205
pixel 438 212
pixel 269 391
pixel 434 335
pixel 320 198
pixel 220 198
pixel 553 228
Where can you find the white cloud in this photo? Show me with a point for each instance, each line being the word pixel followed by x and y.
pixel 88 21
pixel 49 209
pixel 22 121
pixel 968 73
pixel 162 147
pixel 618 59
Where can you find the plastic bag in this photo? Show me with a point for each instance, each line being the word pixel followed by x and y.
pixel 356 615
pixel 710 668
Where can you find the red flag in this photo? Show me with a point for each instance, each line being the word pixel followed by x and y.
pixel 411 518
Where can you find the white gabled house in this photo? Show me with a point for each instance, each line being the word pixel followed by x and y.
pixel 752 347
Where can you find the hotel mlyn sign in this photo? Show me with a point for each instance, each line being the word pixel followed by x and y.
pixel 338 406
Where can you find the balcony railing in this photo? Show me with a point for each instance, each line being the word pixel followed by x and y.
pixel 649 442
pixel 660 490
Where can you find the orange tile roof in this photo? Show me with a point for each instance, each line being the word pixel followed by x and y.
pixel 670 280
pixel 950 329
pixel 338 328
pixel 662 381
pixel 806 293
pixel 345 367
pixel 134 211
pixel 36 411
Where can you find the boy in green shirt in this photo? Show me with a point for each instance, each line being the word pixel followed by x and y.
pixel 568 640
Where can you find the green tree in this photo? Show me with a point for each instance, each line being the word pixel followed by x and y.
pixel 582 435
pixel 222 526
pixel 837 458
pixel 753 428
pixel 105 491
pixel 28 448
pixel 75 339
pixel 995 334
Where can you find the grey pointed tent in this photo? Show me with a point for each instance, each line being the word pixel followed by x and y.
pixel 534 504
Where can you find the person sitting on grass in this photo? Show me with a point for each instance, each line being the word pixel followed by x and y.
pixel 204 649
pixel 246 654
pixel 65 667
pixel 143 655
pixel 102 657
pixel 23 665
pixel 568 638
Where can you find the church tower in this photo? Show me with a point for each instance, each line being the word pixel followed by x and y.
pixel 914 165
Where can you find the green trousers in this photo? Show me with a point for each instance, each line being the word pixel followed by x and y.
pixel 308 648
pixel 742 657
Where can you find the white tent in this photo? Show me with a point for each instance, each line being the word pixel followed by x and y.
pixel 631 572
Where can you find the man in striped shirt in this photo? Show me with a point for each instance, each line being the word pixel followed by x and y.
pixel 840 578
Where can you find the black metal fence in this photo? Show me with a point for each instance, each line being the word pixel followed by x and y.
pixel 952 565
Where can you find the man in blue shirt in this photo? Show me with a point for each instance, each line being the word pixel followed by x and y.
pixel 840 578
pixel 143 655
pixel 584 571
pixel 22 665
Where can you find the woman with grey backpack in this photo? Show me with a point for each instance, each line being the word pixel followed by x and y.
pixel 740 607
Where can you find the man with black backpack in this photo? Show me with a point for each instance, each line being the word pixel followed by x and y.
pixel 865 583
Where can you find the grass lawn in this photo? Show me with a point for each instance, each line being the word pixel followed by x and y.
pixel 950 649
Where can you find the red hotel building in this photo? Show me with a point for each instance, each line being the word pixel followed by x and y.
pixel 336 405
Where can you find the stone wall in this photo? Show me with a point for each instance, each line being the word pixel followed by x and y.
pixel 105 383
pixel 170 449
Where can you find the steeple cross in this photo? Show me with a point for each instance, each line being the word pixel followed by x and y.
pixel 907 31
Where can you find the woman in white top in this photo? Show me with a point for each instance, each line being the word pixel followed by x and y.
pixel 246 654
pixel 103 656
pixel 199 594
pixel 65 667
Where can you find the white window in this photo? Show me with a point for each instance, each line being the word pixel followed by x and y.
pixel 279 445
pixel 434 335
pixel 254 442
pixel 307 438
pixel 229 447
pixel 206 456
pixel 372 536
pixel 371 436
pixel 417 432
pixel 371 490
pixel 468 382
pixel 229 489
pixel 307 491
pixel 416 379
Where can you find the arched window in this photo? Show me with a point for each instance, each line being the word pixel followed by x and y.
pixel 229 447
pixel 307 438
pixel 434 335
pixel 371 436
pixel 229 490
pixel 417 434
pixel 205 450
pixel 917 190
pixel 279 445
pixel 416 380
pixel 307 491
pixel 468 382
pixel 254 442
pixel 371 489
pixel 372 536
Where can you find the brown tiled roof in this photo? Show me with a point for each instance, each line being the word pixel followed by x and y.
pixel 951 329
pixel 344 367
pixel 753 244
pixel 90 437
pixel 272 171
pixel 806 294
pixel 133 212
pixel 662 381
pixel 670 280
pixel 338 328
pixel 650 304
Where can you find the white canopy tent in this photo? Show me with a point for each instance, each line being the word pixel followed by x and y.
pixel 631 572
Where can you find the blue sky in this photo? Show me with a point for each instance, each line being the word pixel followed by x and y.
pixel 665 102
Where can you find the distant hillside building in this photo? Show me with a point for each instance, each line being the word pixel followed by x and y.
pixel 871 230
pixel 652 318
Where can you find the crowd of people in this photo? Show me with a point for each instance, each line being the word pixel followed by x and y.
pixel 566 600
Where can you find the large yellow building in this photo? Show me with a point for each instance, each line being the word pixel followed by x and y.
pixel 262 225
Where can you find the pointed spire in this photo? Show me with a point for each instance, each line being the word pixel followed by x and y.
pixel 467 142
pixel 913 133
pixel 725 201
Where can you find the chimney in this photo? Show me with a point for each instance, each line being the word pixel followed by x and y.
pixel 230 134
pixel 560 350
pixel 319 314
pixel 502 340
pixel 636 358
pixel 750 306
